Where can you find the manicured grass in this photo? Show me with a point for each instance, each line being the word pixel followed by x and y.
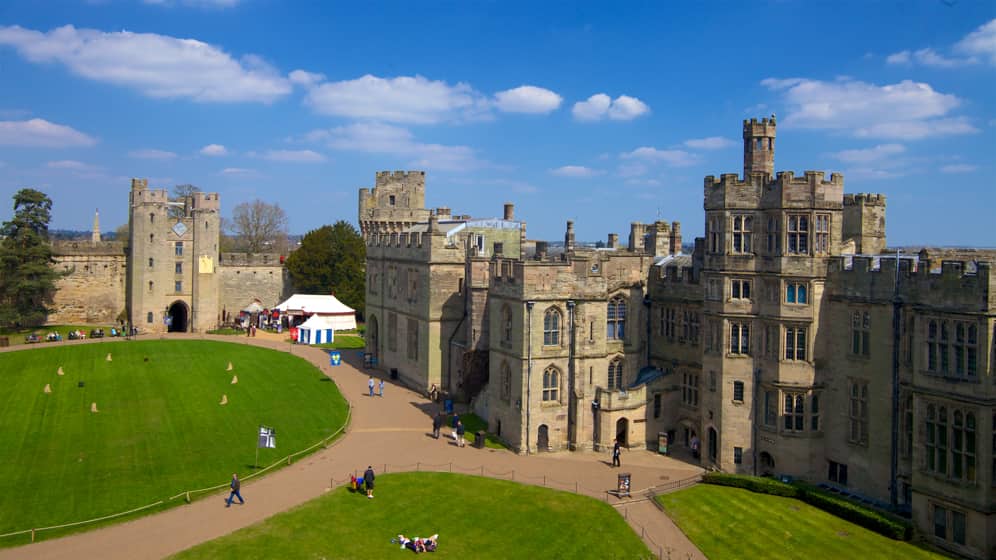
pixel 16 336
pixel 729 522
pixel 344 342
pixel 229 331
pixel 472 423
pixel 477 518
pixel 160 429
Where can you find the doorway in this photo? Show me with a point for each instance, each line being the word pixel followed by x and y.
pixel 543 439
pixel 178 315
pixel 622 432
pixel 372 336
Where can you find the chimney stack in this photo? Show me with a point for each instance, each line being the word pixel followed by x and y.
pixel 509 212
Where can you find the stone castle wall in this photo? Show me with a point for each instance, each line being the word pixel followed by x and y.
pixel 93 290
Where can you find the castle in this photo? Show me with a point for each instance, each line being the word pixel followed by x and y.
pixel 788 342
pixel 169 275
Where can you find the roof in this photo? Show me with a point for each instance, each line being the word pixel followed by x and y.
pixel 308 303
pixel 317 322
pixel 680 260
pixel 646 375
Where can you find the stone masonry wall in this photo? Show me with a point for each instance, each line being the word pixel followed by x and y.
pixel 240 285
pixel 92 292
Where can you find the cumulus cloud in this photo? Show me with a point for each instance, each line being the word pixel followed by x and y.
pixel 906 110
pixel 306 79
pixel 601 106
pixel 673 158
pixel 865 155
pixel 575 171
pixel 150 153
pixel 158 66
pixel 527 99
pixel 980 43
pixel 295 156
pixel 404 99
pixel 380 138
pixel 926 57
pixel 958 168
pixel 214 150
pixel 41 133
pixel 710 143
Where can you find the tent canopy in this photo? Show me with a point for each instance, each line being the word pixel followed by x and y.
pixel 342 317
pixel 316 330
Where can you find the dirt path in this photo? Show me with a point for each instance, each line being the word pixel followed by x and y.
pixel 391 433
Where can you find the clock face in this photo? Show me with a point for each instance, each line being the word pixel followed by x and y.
pixel 179 229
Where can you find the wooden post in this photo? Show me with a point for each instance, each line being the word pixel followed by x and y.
pixel 482 470
pixel 32 535
pixel 418 466
pixel 188 496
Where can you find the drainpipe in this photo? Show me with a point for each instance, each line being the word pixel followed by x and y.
pixel 897 308
pixel 571 401
pixel 754 406
pixel 529 365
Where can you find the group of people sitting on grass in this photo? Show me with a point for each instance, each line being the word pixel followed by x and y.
pixel 418 544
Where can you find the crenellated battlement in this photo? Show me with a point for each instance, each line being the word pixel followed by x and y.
pixel 864 199
pixel 250 259
pixel 410 179
pixel 86 247
pixel 964 285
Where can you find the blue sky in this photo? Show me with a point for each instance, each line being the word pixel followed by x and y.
pixel 604 113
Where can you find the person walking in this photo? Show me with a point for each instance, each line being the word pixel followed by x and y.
pixel 370 385
pixel 235 485
pixel 368 479
pixel 437 423
pixel 616 450
pixel 460 430
pixel 381 387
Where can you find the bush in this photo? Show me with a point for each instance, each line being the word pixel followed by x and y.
pixel 880 522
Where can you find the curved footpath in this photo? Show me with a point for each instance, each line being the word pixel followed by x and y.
pixel 393 430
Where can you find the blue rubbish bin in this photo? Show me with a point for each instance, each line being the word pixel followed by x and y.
pixel 448 406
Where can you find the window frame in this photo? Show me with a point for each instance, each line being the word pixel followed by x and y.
pixel 741 233
pixel 797 230
pixel 552 319
pixel 551 385
pixel 615 318
pixel 739 338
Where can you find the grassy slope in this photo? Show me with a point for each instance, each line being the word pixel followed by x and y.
pixel 477 518
pixel 160 429
pixel 734 523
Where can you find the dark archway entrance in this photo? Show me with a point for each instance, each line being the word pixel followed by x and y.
pixel 713 444
pixel 372 342
pixel 622 432
pixel 767 464
pixel 543 439
pixel 179 317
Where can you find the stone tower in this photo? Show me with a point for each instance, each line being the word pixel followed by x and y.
pixel 759 147
pixel 95 236
pixel 396 202
pixel 172 280
pixel 864 222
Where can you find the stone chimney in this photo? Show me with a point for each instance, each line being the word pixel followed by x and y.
pixel 509 212
pixel 636 231
pixel 569 237
pixel 613 242
pixel 541 250
pixel 95 236
pixel 675 238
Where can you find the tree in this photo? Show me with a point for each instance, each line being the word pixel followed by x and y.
pixel 181 192
pixel 331 259
pixel 27 279
pixel 259 227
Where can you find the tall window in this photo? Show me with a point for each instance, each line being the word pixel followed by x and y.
pixel 178 248
pixel 963 446
pixel 712 381
pixel 178 268
pixel 506 324
pixel 506 381
pixel 740 289
pixel 821 241
pixel 742 227
pixel 152 218
pixel 551 327
pixel 814 413
pixel 860 333
pixel 670 326
pixel 551 385
pixel 714 234
pixel 693 329
pixel 907 447
pixel 714 289
pixel 953 348
pixel 858 412
pixel 178 286
pixel 771 341
pixel 738 391
pixel 616 321
pixel 657 405
pixel 152 262
pixel 714 342
pixel 739 338
pixel 797 234
pixel 413 339
pixel 690 389
pixel 738 455
pixel 148 317
pixel 795 343
pixel 940 522
pixel 794 414
pixel 151 285
pixel 837 473
pixel 615 374
pixel 770 408
pixel 392 332
pixel 795 292
pixel 774 239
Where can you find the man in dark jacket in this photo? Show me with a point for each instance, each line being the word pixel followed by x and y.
pixel 368 478
pixel 235 485
pixel 437 423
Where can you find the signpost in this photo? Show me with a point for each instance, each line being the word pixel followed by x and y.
pixel 335 358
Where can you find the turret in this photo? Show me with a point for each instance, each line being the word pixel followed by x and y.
pixel 864 222
pixel 759 147
pixel 95 236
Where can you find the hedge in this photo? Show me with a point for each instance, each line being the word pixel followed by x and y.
pixel 880 522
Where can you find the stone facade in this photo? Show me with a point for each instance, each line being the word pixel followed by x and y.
pixel 773 345
pixel 93 286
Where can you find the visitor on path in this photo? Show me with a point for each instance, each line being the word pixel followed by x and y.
pixel 437 423
pixel 616 450
pixel 433 393
pixel 381 387
pixel 368 479
pixel 695 446
pixel 455 420
pixel 235 485
pixel 459 433
pixel 370 385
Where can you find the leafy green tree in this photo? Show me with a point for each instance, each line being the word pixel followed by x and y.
pixel 331 259
pixel 27 279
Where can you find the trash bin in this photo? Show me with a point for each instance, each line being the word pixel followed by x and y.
pixel 479 439
pixel 448 406
pixel 4 341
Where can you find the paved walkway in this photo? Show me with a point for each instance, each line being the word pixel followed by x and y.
pixel 392 431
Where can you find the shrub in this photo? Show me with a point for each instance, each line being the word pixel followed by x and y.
pixel 753 483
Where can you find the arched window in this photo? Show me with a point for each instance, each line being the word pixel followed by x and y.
pixel 942 440
pixel 616 318
pixel 151 262
pixel 506 381
pixel 930 438
pixel 615 374
pixel 152 218
pixel 150 285
pixel 551 384
pixel 148 318
pixel 506 323
pixel 551 327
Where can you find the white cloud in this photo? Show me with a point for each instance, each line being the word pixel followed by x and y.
pixel 71 165
pixel 926 57
pixel 906 110
pixel 306 79
pixel 295 156
pixel 710 143
pixel 981 42
pixel 600 106
pixel 150 153
pixel 214 150
pixel 901 57
pixel 41 133
pixel 237 171
pixel 403 99
pixel 575 171
pixel 379 138
pixel 674 158
pixel 158 66
pixel 958 168
pixel 527 99
pixel 875 153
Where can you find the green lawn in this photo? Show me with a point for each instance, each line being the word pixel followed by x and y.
pixel 344 342
pixel 16 336
pixel 735 523
pixel 160 428
pixel 478 518
pixel 472 423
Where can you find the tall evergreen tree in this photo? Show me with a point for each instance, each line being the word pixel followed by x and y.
pixel 331 259
pixel 27 279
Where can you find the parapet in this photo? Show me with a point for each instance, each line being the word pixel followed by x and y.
pixel 864 199
pixel 411 178
pixel 139 184
pixel 250 259
pixel 958 284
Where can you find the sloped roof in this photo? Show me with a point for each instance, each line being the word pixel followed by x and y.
pixel 309 303
pixel 646 375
